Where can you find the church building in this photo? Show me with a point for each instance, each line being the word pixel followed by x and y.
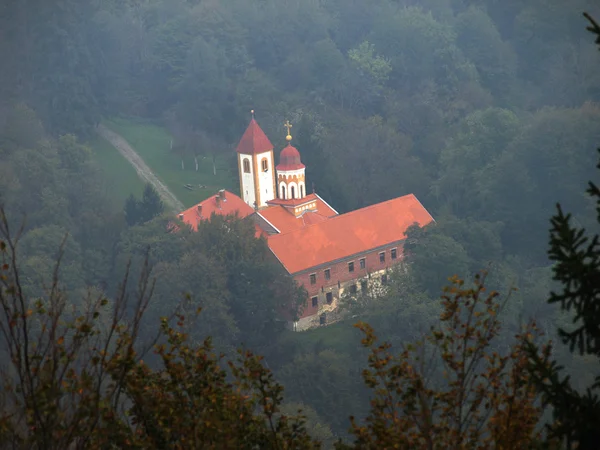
pixel 327 252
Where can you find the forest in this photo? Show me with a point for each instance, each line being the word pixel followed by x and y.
pixel 487 110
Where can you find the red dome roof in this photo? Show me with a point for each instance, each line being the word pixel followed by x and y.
pixel 289 159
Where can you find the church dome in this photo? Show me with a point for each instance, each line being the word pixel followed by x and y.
pixel 289 159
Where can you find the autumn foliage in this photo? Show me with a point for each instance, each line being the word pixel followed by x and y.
pixel 485 399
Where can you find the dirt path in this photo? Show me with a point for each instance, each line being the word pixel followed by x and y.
pixel 141 167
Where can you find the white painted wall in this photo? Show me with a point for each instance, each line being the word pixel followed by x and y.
pixel 283 186
pixel 265 179
pixel 302 193
pixel 247 180
pixel 294 185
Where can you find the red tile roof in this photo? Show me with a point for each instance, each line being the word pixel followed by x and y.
pixel 254 140
pixel 285 221
pixel 230 205
pixel 348 234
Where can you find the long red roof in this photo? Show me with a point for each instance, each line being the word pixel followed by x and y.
pixel 254 140
pixel 348 234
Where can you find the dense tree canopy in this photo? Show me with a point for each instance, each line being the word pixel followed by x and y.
pixel 485 110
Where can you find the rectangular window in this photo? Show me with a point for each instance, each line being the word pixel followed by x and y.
pixel 394 253
pixel 351 266
pixel 382 257
pixel 329 298
pixel 327 274
pixel 313 278
pixel 363 285
pixel 315 301
pixel 353 289
pixel 363 263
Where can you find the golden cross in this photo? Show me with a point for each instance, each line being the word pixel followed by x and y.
pixel 288 125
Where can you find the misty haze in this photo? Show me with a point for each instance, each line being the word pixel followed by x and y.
pixel 299 224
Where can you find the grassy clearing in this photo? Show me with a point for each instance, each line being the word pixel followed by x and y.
pixel 152 143
pixel 121 178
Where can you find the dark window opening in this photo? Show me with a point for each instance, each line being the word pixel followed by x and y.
pixel 313 278
pixel 301 191
pixel 327 274
pixel 283 192
pixel 265 165
pixel 382 257
pixel 394 253
pixel 246 166
pixel 353 289
pixel 323 319
pixel 363 263
pixel 329 298
pixel 292 192
pixel 315 301
pixel 351 266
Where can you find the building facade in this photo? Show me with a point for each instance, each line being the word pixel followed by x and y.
pixel 326 252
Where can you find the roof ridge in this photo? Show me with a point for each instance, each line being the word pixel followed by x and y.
pixel 329 219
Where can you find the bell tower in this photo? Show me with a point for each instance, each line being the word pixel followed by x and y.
pixel 291 181
pixel 256 166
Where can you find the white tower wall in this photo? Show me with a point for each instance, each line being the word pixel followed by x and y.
pixel 247 179
pixel 266 180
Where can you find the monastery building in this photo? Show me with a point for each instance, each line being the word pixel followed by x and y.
pixel 327 252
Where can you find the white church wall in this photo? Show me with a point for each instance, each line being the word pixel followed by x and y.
pixel 283 188
pixel 247 180
pixel 265 179
pixel 293 190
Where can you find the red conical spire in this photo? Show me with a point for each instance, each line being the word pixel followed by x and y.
pixel 254 140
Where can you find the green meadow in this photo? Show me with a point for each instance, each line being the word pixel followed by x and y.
pixel 152 143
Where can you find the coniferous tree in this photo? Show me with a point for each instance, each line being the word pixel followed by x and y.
pixel 151 205
pixel 132 210
pixel 576 254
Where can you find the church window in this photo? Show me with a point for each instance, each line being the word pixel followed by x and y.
pixel 363 263
pixel 283 192
pixel 327 274
pixel 301 191
pixel 329 298
pixel 394 253
pixel 292 192
pixel 313 278
pixel 351 266
pixel 353 289
pixel 246 164
pixel 315 301
pixel 264 165
pixel 382 257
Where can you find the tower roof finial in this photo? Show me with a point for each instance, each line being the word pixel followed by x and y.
pixel 288 125
pixel 252 113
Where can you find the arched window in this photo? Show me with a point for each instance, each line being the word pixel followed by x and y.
pixel 293 192
pixel 301 191
pixel 283 192
pixel 246 165
pixel 264 165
